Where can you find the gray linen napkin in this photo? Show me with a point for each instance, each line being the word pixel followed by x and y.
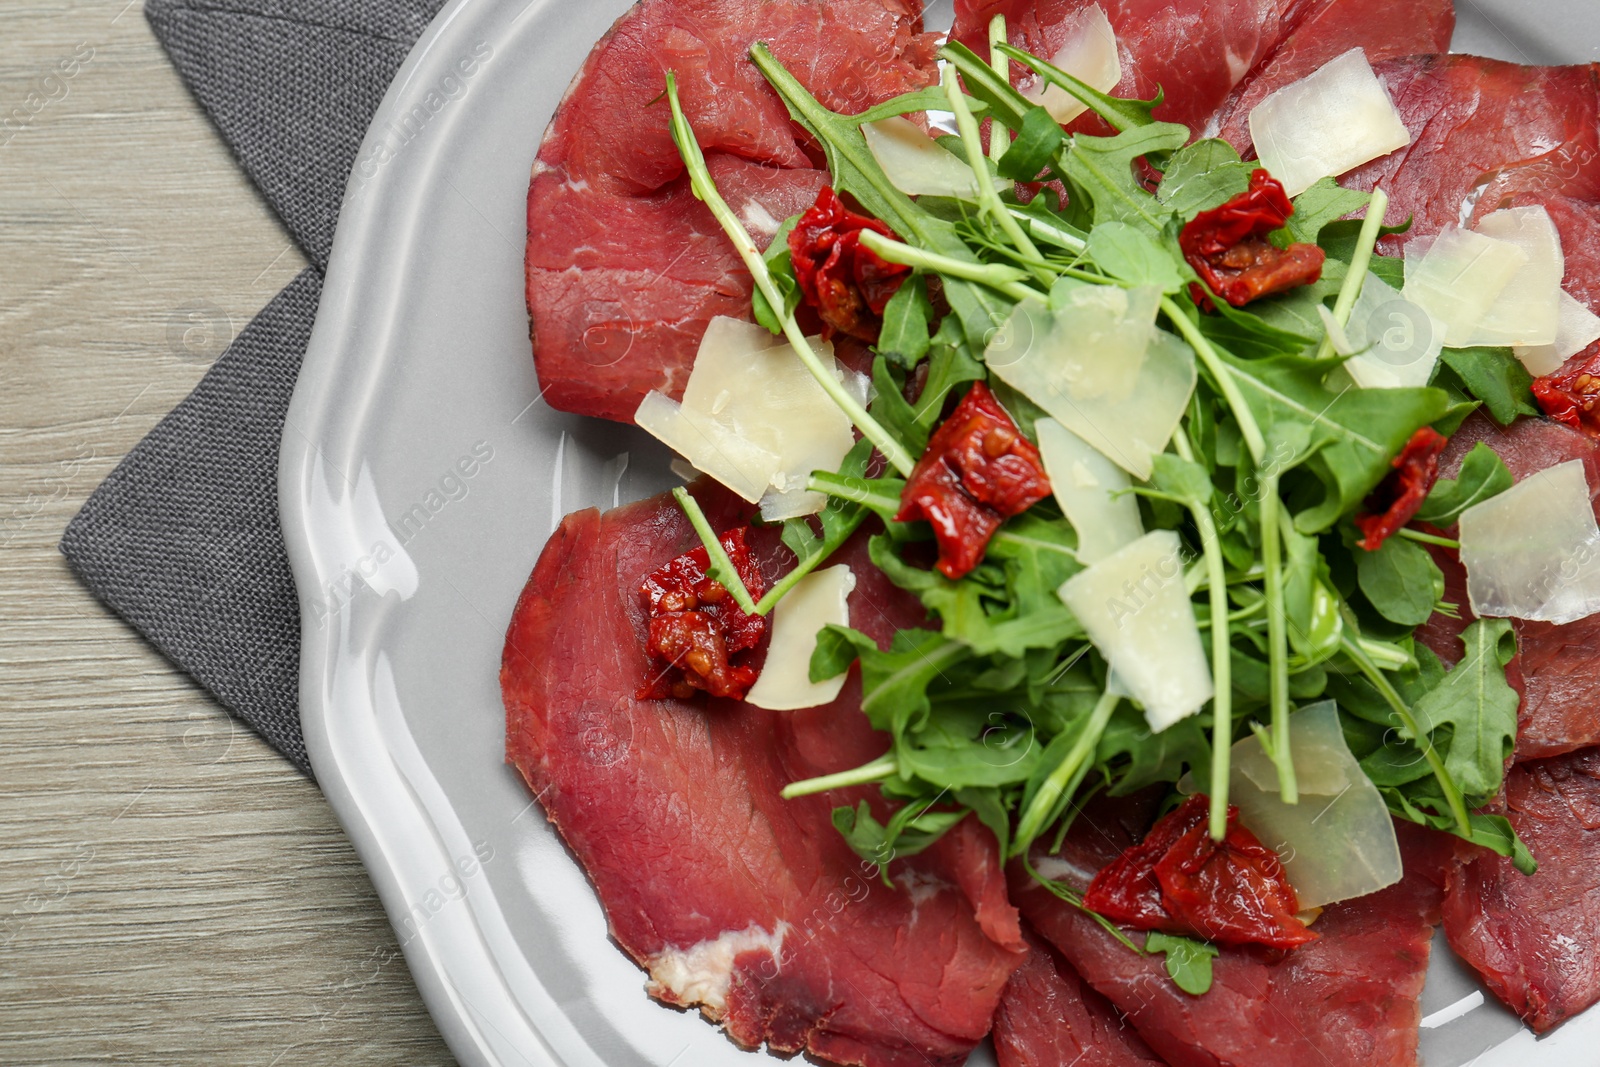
pixel 182 540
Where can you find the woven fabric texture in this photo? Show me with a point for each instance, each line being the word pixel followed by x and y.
pixel 182 540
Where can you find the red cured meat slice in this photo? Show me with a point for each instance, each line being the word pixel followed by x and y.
pixel 1050 1017
pixel 1330 28
pixel 1196 51
pixel 1348 999
pixel 1532 938
pixel 673 809
pixel 1486 129
pixel 1555 666
pixel 624 266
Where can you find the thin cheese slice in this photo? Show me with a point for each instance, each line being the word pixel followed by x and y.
pixel 1528 310
pixel 1576 329
pixel 918 165
pixel 1394 343
pixel 1533 552
pixel 1135 606
pixel 754 418
pixel 818 599
pixel 1091 490
pixel 1338 842
pixel 1091 54
pixel 1327 124
pixel 1080 377
pixel 1459 278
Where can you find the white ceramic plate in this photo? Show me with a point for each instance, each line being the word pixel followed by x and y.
pixel 421 475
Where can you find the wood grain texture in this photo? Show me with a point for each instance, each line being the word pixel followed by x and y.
pixel 171 891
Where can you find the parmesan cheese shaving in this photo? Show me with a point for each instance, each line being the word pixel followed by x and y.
pixel 1091 490
pixel 1136 609
pixel 1327 124
pixel 818 599
pixel 1528 310
pixel 1459 278
pixel 1576 329
pixel 918 165
pixel 1533 552
pixel 1091 54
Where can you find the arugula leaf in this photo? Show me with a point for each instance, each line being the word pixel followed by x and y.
pixel 1133 257
pixel 1188 961
pixel 929 99
pixel 904 339
pixel 1340 239
pixel 1036 144
pixel 1353 435
pixel 1202 176
pixel 1008 107
pixel 1325 202
pixel 1496 377
pixel 1401 581
pixel 1483 475
pixel 781 266
pixel 1419 804
pixel 1120 113
pixel 965 746
pixel 1152 758
pixel 1478 706
pixel 911 830
pixel 1102 169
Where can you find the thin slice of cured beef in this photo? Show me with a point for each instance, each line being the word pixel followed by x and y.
pixel 751 906
pixel 624 266
pixel 1195 51
pixel 1533 938
pixel 1348 999
pixel 1556 666
pixel 1050 1017
pixel 1326 29
pixel 1484 129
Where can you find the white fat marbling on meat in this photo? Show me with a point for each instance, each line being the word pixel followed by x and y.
pixel 758 220
pixel 1056 869
pixel 700 974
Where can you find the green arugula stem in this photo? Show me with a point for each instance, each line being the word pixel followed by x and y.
pixel 1046 232
pixel 722 568
pixel 1408 722
pixel 999 136
pixel 1065 778
pixel 1428 539
pixel 1007 280
pixel 1366 244
pixel 837 486
pixel 1277 635
pixel 1219 369
pixel 988 197
pixel 878 770
pixel 1385 656
pixel 704 188
pixel 1221 652
pixel 782 586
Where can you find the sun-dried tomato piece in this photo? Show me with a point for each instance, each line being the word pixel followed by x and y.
pixel 1126 890
pixel 1228 246
pixel 978 471
pixel 848 285
pixel 1179 880
pixel 1572 394
pixel 1233 891
pixel 697 630
pixel 1400 495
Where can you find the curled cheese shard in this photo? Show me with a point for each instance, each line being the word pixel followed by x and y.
pixel 1135 606
pixel 818 599
pixel 1091 490
pixel 1576 329
pixel 1393 342
pixel 1327 123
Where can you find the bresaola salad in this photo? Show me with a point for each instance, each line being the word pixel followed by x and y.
pixel 1137 447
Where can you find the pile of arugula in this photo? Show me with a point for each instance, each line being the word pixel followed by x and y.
pixel 1003 712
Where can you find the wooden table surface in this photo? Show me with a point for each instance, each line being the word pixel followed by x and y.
pixel 171 890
